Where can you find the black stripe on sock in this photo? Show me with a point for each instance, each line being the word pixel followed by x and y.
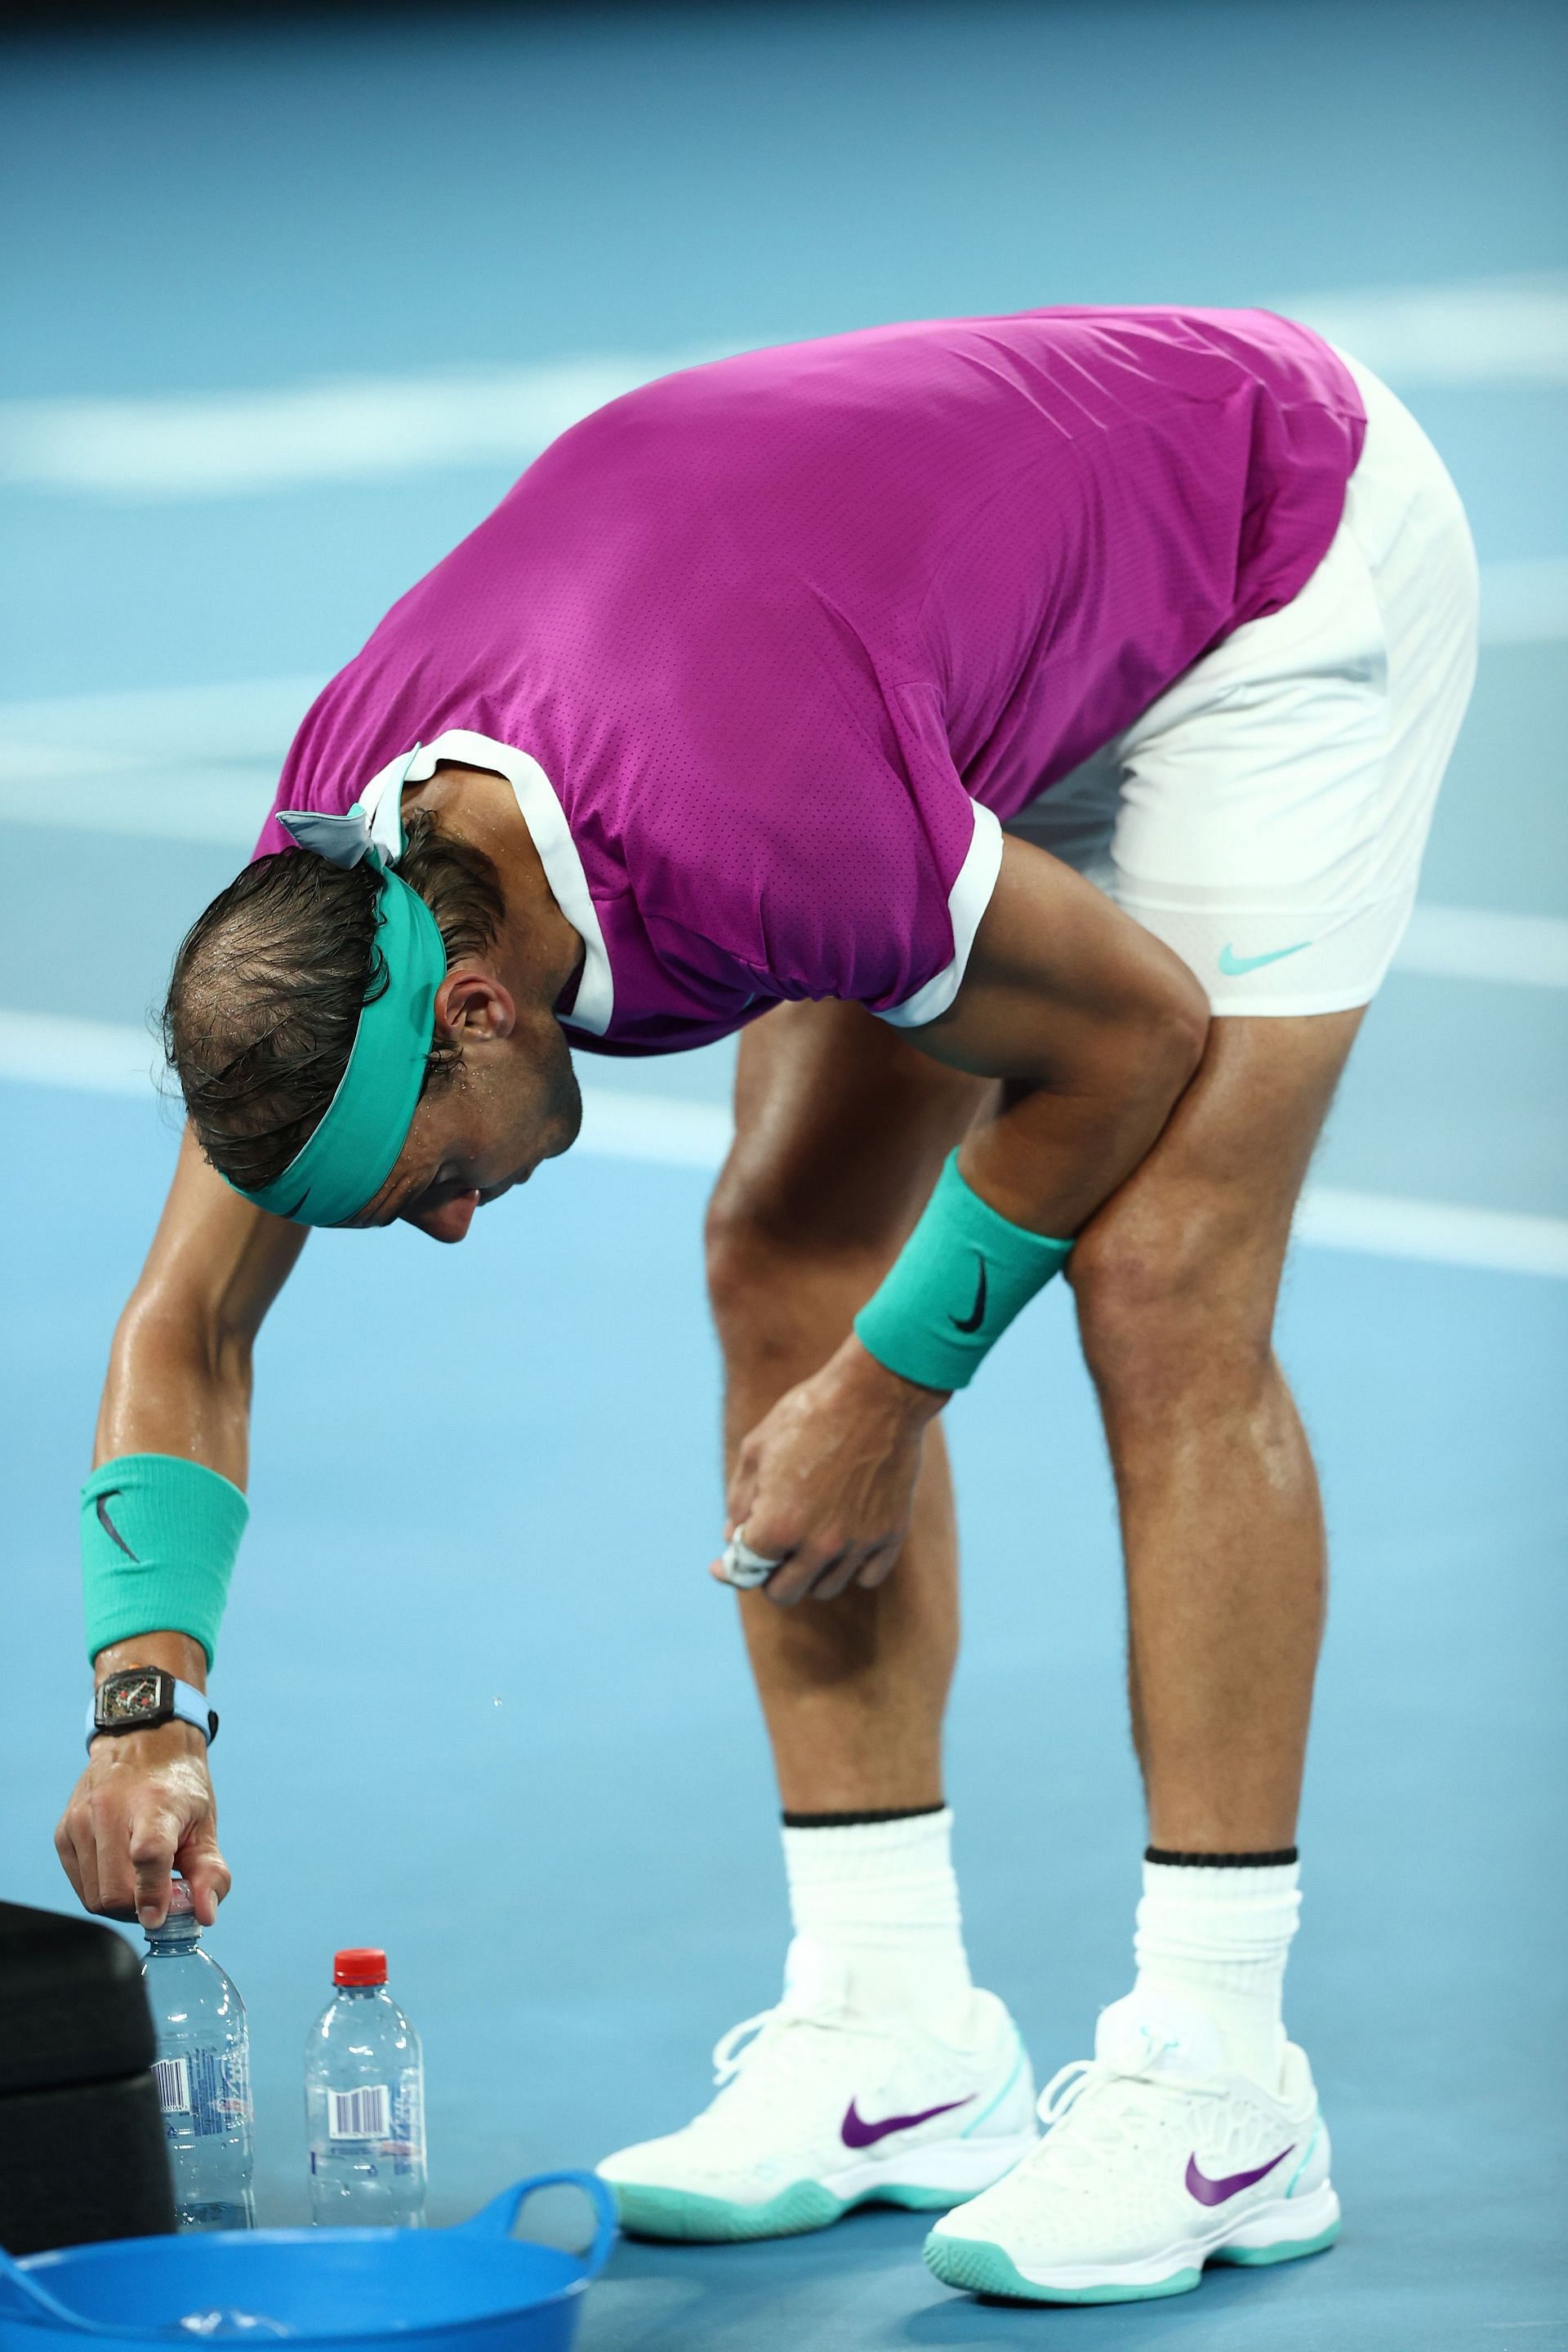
pixel 860 1820
pixel 1222 1861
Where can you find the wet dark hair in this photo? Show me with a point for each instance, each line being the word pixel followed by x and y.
pixel 268 984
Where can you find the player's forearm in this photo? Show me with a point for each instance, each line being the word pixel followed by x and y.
pixel 1093 1029
pixel 1089 1077
pixel 1053 1153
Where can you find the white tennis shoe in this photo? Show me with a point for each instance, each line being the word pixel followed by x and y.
pixel 1155 2160
pixel 825 2107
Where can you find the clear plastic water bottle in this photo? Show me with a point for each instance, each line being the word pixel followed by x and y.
pixel 364 2103
pixel 203 2073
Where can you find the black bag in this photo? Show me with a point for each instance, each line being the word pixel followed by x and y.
pixel 82 2153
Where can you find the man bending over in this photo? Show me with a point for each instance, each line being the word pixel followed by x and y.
pixel 715 725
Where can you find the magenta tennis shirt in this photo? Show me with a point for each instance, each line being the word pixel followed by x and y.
pixel 767 648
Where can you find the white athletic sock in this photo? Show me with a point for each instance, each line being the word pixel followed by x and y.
pixel 1218 1937
pixel 882 1895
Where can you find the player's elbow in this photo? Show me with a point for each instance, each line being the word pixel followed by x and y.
pixel 167 1334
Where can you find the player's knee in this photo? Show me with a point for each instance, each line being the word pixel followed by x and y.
pixel 779 1283
pixel 1170 1302
pixel 753 1262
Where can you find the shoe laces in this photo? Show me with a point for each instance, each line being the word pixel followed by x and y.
pixel 731 2049
pixel 1093 2092
pixel 746 2041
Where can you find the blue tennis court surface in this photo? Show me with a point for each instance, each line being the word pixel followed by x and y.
pixel 285 315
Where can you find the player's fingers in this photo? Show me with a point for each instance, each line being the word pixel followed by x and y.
pixel 769 1527
pixel 207 1874
pixel 880 1564
pixel 108 1832
pixel 154 1841
pixel 78 1851
pixel 792 1583
pixel 840 1574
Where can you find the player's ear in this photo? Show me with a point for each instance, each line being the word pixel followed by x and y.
pixel 472 1004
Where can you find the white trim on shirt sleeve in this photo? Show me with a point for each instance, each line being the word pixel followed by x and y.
pixel 546 822
pixel 966 902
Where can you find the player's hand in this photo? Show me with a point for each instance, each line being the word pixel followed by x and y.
pixel 823 1484
pixel 144 1806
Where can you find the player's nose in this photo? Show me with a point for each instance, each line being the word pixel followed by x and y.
pixel 451 1221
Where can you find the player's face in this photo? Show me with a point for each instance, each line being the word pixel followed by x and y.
pixel 517 1103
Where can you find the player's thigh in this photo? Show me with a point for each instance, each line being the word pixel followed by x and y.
pixel 841 1128
pixel 1196 1238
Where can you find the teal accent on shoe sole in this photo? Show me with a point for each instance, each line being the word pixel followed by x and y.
pixel 1288 2252
pixel 677 2214
pixel 982 2268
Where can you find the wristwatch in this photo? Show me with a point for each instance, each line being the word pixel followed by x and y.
pixel 141 1697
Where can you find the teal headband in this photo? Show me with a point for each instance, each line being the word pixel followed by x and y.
pixel 348 1159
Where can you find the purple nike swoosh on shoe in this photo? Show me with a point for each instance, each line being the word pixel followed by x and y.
pixel 857 2133
pixel 1215 2192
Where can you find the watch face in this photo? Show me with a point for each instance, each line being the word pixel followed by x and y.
pixel 129 1699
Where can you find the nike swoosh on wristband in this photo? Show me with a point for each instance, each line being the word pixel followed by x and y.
pixel 978 1317
pixel 857 2133
pixel 109 1529
pixel 1215 2192
pixel 1233 965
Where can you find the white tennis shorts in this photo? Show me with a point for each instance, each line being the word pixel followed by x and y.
pixel 1265 817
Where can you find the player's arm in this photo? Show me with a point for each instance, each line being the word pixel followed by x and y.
pixel 178 1391
pixel 1092 1029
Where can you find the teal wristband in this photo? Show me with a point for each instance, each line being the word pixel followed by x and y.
pixel 159 1539
pixel 959 1280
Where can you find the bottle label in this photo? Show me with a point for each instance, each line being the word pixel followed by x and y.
pixel 364 2114
pixel 205 2094
pixel 409 2123
pixel 173 2076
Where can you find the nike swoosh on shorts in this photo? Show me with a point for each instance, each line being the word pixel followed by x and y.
pixel 1233 965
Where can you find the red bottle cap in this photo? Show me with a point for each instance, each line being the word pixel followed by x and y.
pixel 358 1966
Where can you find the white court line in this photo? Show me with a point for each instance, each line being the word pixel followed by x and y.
pixel 1479 330
pixel 353 428
pixel 1494 331
pixel 1525 602
pixel 104 1057
pixel 1475 943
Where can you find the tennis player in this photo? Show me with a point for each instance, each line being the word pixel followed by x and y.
pixel 1026 731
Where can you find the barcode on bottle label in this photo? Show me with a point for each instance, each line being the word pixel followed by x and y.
pixel 173 2076
pixel 364 2114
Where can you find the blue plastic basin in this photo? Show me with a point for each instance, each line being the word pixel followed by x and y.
pixel 471 2289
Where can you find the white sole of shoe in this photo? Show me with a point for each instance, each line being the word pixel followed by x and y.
pixel 1279 2232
